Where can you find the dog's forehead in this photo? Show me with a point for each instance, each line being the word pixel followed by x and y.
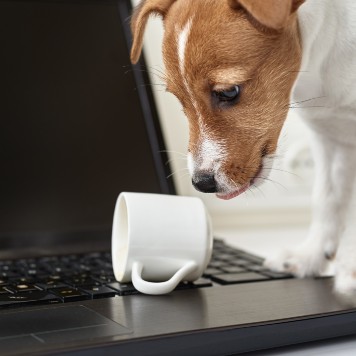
pixel 209 11
pixel 198 24
pixel 203 36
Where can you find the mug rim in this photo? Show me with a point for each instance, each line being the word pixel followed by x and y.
pixel 121 228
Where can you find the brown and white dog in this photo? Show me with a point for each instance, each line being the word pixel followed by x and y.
pixel 234 65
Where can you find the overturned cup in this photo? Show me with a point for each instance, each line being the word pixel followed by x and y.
pixel 160 240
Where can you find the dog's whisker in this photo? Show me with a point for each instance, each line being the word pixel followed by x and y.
pixel 180 176
pixel 297 71
pixel 174 159
pixel 158 70
pixel 259 189
pixel 176 172
pixel 272 181
pixel 234 183
pixel 251 191
pixel 135 70
pixel 152 85
pixel 268 168
pixel 160 75
pixel 163 76
pixel 282 170
pixel 306 100
pixel 175 152
pixel 307 107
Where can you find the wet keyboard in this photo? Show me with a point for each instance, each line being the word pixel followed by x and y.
pixel 60 279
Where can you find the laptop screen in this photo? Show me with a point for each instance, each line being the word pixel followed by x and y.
pixel 77 122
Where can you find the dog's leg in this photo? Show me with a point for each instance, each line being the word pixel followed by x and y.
pixel 345 268
pixel 345 264
pixel 335 172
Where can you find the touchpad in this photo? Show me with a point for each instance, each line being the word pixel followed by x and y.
pixel 54 325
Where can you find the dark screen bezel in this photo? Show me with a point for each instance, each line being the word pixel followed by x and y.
pixel 61 242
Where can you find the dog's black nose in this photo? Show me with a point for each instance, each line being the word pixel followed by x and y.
pixel 204 182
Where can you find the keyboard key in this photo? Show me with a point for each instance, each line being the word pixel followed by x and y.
pixel 202 282
pixel 123 288
pixel 85 268
pixel 223 257
pixel 23 280
pixel 6 267
pixel 80 281
pixel 240 262
pixel 251 258
pixel 276 275
pixel 256 268
pixel 9 274
pixel 199 283
pixel 35 297
pixel 217 264
pixel 233 269
pixel 24 287
pixel 5 290
pixel 231 278
pixel 50 283
pixel 210 271
pixel 68 294
pixel 98 291
pixel 31 272
pixel 104 278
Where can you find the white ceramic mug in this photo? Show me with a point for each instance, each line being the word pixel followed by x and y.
pixel 160 240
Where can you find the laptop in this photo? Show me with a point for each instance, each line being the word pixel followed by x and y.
pixel 78 126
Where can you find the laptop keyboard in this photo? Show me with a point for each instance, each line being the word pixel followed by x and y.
pixel 60 279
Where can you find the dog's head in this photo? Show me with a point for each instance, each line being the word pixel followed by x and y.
pixel 232 65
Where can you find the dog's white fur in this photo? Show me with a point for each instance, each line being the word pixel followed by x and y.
pixel 328 73
pixel 210 151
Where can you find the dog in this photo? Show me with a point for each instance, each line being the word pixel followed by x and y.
pixel 235 66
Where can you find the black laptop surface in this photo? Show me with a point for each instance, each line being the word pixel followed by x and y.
pixel 78 126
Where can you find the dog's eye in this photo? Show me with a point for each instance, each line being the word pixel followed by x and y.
pixel 230 95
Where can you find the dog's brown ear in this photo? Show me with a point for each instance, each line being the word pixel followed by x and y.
pixel 273 14
pixel 139 19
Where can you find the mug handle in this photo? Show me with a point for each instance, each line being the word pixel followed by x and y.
pixel 156 288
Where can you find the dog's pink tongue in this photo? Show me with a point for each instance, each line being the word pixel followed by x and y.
pixel 233 194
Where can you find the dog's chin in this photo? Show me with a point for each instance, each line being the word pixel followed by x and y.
pixel 233 194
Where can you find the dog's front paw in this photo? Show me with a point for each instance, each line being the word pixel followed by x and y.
pixel 345 283
pixel 301 262
pixel 345 277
